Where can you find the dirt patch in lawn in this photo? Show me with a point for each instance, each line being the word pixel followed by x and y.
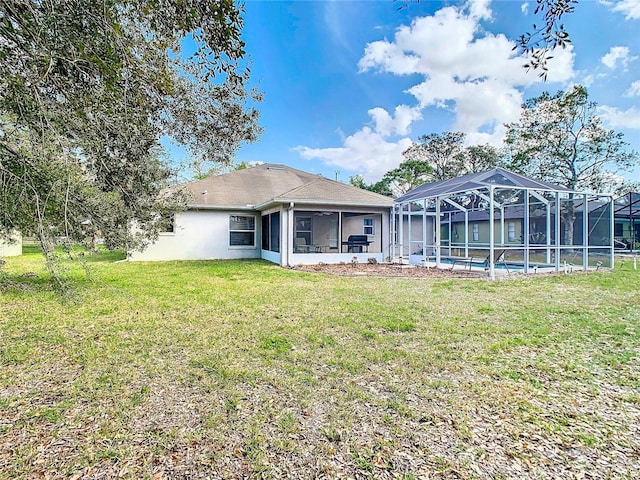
pixel 387 270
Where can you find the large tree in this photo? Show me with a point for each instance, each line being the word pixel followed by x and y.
pixel 560 139
pixel 436 157
pixel 88 88
pixel 442 152
pixel 446 157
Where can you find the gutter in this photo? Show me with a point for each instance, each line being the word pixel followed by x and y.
pixel 277 201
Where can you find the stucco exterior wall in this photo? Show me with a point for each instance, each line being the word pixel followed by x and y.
pixel 200 235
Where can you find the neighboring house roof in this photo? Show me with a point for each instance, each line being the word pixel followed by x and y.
pixel 627 206
pixel 475 181
pixel 263 185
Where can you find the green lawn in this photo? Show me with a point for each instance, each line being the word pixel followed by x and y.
pixel 242 369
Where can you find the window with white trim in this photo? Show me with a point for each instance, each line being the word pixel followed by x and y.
pixel 511 229
pixel 476 232
pixel 368 226
pixel 242 231
pixel 168 224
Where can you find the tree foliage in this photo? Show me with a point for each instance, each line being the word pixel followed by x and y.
pixel 438 156
pixel 381 187
pixel 538 44
pixel 88 88
pixel 446 156
pixel 560 139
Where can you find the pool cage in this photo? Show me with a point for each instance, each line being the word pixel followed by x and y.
pixel 499 221
pixel 627 222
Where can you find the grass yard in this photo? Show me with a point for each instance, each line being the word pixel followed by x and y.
pixel 229 369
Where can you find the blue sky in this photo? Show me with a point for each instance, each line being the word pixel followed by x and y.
pixel 349 85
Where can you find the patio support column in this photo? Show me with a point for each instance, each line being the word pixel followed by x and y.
pixel 557 236
pixel 401 232
pixel 450 234
pixel 290 233
pixel 437 231
pixel 585 234
pixel 424 232
pixel 525 230
pixel 492 272
pixel 632 224
pixel 612 231
pixel 409 222
pixel 466 233
pixel 548 233
pixel 392 232
pixel 502 226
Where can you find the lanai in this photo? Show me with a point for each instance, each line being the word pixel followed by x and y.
pixel 503 217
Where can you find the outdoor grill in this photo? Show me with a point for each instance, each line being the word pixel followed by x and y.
pixel 355 243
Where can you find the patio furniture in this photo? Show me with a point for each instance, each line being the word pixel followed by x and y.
pixel 498 258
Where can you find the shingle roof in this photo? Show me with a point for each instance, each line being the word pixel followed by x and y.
pixel 322 190
pixel 476 181
pixel 269 183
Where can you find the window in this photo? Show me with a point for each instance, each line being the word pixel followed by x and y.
pixel 368 226
pixel 271 232
pixel 168 224
pixel 242 231
pixel 476 232
pixel 275 232
pixel 303 231
pixel 511 231
pixel 618 230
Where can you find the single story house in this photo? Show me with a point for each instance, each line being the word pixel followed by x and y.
pixel 277 213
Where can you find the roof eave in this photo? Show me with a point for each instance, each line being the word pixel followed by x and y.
pixel 201 206
pixel 307 201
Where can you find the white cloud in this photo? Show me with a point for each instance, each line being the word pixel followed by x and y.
pixel 630 8
pixel 386 125
pixel 475 75
pixel 634 90
pixel 366 151
pixel 479 9
pixel 524 8
pixel 615 55
pixel 617 118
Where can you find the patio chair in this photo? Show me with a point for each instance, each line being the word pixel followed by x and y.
pixel 498 258
pixel 300 245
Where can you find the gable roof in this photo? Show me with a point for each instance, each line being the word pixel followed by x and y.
pixel 267 184
pixel 477 181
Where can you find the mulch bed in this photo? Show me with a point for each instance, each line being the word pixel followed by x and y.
pixel 387 270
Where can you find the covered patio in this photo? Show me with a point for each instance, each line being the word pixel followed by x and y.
pixel 500 221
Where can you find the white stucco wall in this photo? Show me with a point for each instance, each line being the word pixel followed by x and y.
pixel 13 248
pixel 200 235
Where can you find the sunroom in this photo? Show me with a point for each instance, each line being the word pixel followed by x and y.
pixel 499 222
